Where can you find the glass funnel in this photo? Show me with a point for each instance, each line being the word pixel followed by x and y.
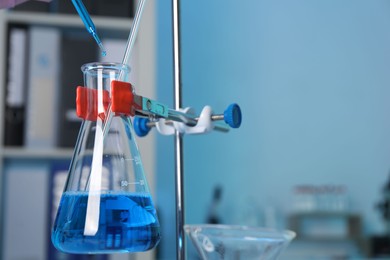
pixel 217 242
pixel 106 206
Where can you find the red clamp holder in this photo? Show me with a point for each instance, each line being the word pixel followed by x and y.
pixel 123 101
pixel 87 103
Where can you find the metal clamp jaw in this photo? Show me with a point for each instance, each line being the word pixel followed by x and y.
pixel 206 122
pixel 150 113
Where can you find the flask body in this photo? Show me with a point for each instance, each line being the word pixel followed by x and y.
pixel 106 206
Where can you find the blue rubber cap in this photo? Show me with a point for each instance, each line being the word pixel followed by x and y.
pixel 232 116
pixel 140 126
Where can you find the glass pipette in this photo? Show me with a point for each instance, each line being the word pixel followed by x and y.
pixel 126 56
pixel 84 15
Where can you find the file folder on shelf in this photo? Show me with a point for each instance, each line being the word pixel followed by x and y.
pixel 42 103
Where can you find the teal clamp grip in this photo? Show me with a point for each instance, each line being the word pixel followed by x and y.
pixel 154 107
pixel 141 127
pixel 232 116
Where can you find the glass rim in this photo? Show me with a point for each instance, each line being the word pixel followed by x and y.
pixel 288 234
pixel 105 65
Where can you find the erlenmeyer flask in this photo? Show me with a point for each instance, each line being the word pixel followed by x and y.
pixel 106 206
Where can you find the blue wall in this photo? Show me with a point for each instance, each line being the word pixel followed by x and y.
pixel 313 81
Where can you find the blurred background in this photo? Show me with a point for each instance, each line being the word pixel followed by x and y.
pixel 312 154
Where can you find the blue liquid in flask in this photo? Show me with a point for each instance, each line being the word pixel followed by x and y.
pixel 127 223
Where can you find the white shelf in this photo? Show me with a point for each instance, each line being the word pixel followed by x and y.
pixel 67 20
pixel 144 59
pixel 31 153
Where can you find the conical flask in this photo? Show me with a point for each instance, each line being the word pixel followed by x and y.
pixel 106 206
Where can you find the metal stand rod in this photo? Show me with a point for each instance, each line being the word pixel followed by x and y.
pixel 180 241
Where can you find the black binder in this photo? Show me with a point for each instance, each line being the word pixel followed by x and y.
pixel 78 48
pixel 114 8
pixel 14 126
pixel 16 86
